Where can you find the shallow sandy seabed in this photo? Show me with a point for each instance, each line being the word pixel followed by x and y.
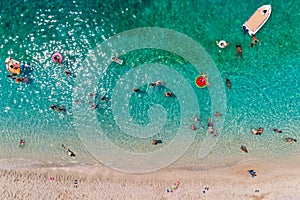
pixel 276 179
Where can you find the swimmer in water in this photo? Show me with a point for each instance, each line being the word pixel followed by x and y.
pixel 58 108
pixel 103 98
pixel 158 83
pixel 21 80
pixel 156 142
pixel 257 132
pixel 68 73
pixel 254 41
pixel 18 79
pixel 228 83
pixel 193 127
pixel 136 90
pixel 168 94
pixel 22 143
pixel 70 153
pixel 210 126
pixel 290 140
pixel 56 59
pixel 239 51
pixel 218 114
pixel 277 130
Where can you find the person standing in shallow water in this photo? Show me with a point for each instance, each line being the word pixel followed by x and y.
pixel 193 127
pixel 257 132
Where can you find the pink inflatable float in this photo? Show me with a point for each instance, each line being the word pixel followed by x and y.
pixel 57 58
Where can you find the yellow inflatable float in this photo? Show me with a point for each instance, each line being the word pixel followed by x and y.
pixel 13 66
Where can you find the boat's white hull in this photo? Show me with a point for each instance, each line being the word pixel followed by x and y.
pixel 257 20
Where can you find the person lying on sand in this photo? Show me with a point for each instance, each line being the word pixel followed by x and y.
pixel 252 173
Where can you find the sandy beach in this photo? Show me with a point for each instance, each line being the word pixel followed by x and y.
pixel 276 179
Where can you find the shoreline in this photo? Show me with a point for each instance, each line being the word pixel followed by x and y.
pixel 276 179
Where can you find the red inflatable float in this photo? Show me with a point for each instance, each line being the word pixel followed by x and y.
pixel 201 81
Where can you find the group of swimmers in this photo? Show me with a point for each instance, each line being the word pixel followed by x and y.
pixel 58 108
pixel 260 130
pixel 58 61
pixel 156 84
pixel 239 51
pixel 159 84
pixel 210 126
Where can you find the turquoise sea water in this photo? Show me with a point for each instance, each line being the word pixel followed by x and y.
pixel 265 84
